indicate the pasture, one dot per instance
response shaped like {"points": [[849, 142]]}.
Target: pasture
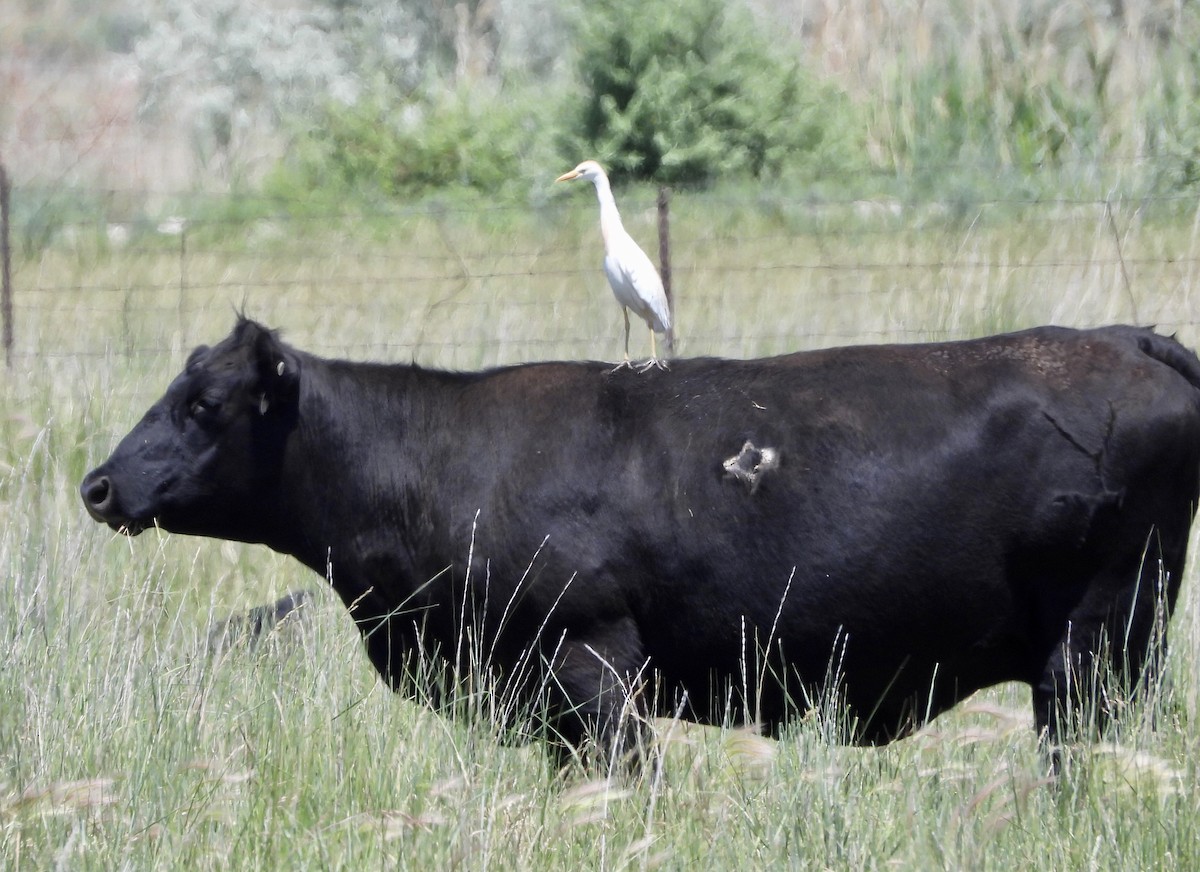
{"points": [[124, 745]]}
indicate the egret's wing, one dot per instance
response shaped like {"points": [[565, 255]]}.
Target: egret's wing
{"points": [[636, 282]]}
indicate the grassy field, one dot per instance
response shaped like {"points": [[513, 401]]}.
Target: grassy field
{"points": [[124, 745]]}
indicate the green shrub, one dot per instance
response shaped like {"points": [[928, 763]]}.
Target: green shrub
{"points": [[393, 148]]}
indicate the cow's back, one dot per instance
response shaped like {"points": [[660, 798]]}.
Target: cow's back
{"points": [[932, 518]]}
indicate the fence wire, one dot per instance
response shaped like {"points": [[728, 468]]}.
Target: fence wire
{"points": [[444, 287]]}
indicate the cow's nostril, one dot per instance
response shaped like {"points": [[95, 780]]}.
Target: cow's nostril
{"points": [[97, 493]]}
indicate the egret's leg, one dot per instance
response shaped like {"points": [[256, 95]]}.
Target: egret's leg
{"points": [[625, 363], [654, 361]]}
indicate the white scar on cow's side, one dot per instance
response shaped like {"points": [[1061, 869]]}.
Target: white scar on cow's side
{"points": [[750, 464]]}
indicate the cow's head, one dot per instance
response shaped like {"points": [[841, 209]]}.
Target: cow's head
{"points": [[204, 457]]}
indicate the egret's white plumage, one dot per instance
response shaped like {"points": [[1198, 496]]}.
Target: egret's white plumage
{"points": [[634, 280]]}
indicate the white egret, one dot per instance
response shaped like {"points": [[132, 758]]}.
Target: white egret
{"points": [[634, 280]]}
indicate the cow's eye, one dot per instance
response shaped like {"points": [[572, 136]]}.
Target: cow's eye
{"points": [[202, 408]]}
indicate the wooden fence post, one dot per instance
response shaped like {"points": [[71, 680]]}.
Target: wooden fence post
{"points": [[664, 259]]}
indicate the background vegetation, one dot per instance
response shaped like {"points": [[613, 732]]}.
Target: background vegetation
{"points": [[377, 184], [409, 100]]}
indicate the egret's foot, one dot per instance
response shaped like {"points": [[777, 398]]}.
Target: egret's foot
{"points": [[654, 363], [625, 364]]}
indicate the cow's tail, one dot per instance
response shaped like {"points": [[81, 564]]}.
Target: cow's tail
{"points": [[1168, 351]]}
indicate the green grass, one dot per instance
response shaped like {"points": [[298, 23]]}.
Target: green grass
{"points": [[123, 745]]}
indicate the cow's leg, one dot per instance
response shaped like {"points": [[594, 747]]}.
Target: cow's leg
{"points": [[1057, 700], [252, 626], [597, 709], [1111, 649]]}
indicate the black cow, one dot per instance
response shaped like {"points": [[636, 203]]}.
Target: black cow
{"points": [[888, 527]]}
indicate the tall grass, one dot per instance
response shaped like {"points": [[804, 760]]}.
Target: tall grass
{"points": [[1091, 95], [123, 744]]}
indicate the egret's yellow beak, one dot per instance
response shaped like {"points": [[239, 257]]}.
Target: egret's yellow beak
{"points": [[567, 177]]}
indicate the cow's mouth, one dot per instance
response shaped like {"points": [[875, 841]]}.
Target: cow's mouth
{"points": [[124, 526]]}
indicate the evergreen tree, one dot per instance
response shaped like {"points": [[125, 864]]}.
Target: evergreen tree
{"points": [[687, 90]]}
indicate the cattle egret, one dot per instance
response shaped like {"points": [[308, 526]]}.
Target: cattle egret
{"points": [[632, 275]]}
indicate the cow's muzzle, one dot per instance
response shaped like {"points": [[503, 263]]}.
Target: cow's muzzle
{"points": [[100, 499]]}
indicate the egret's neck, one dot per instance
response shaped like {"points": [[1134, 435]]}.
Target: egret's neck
{"points": [[610, 218]]}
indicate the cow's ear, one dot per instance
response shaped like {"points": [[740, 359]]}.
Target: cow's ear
{"points": [[278, 371]]}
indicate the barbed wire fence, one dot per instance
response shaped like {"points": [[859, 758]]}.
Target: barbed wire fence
{"points": [[852, 250]]}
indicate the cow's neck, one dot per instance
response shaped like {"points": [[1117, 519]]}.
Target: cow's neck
{"points": [[349, 489]]}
